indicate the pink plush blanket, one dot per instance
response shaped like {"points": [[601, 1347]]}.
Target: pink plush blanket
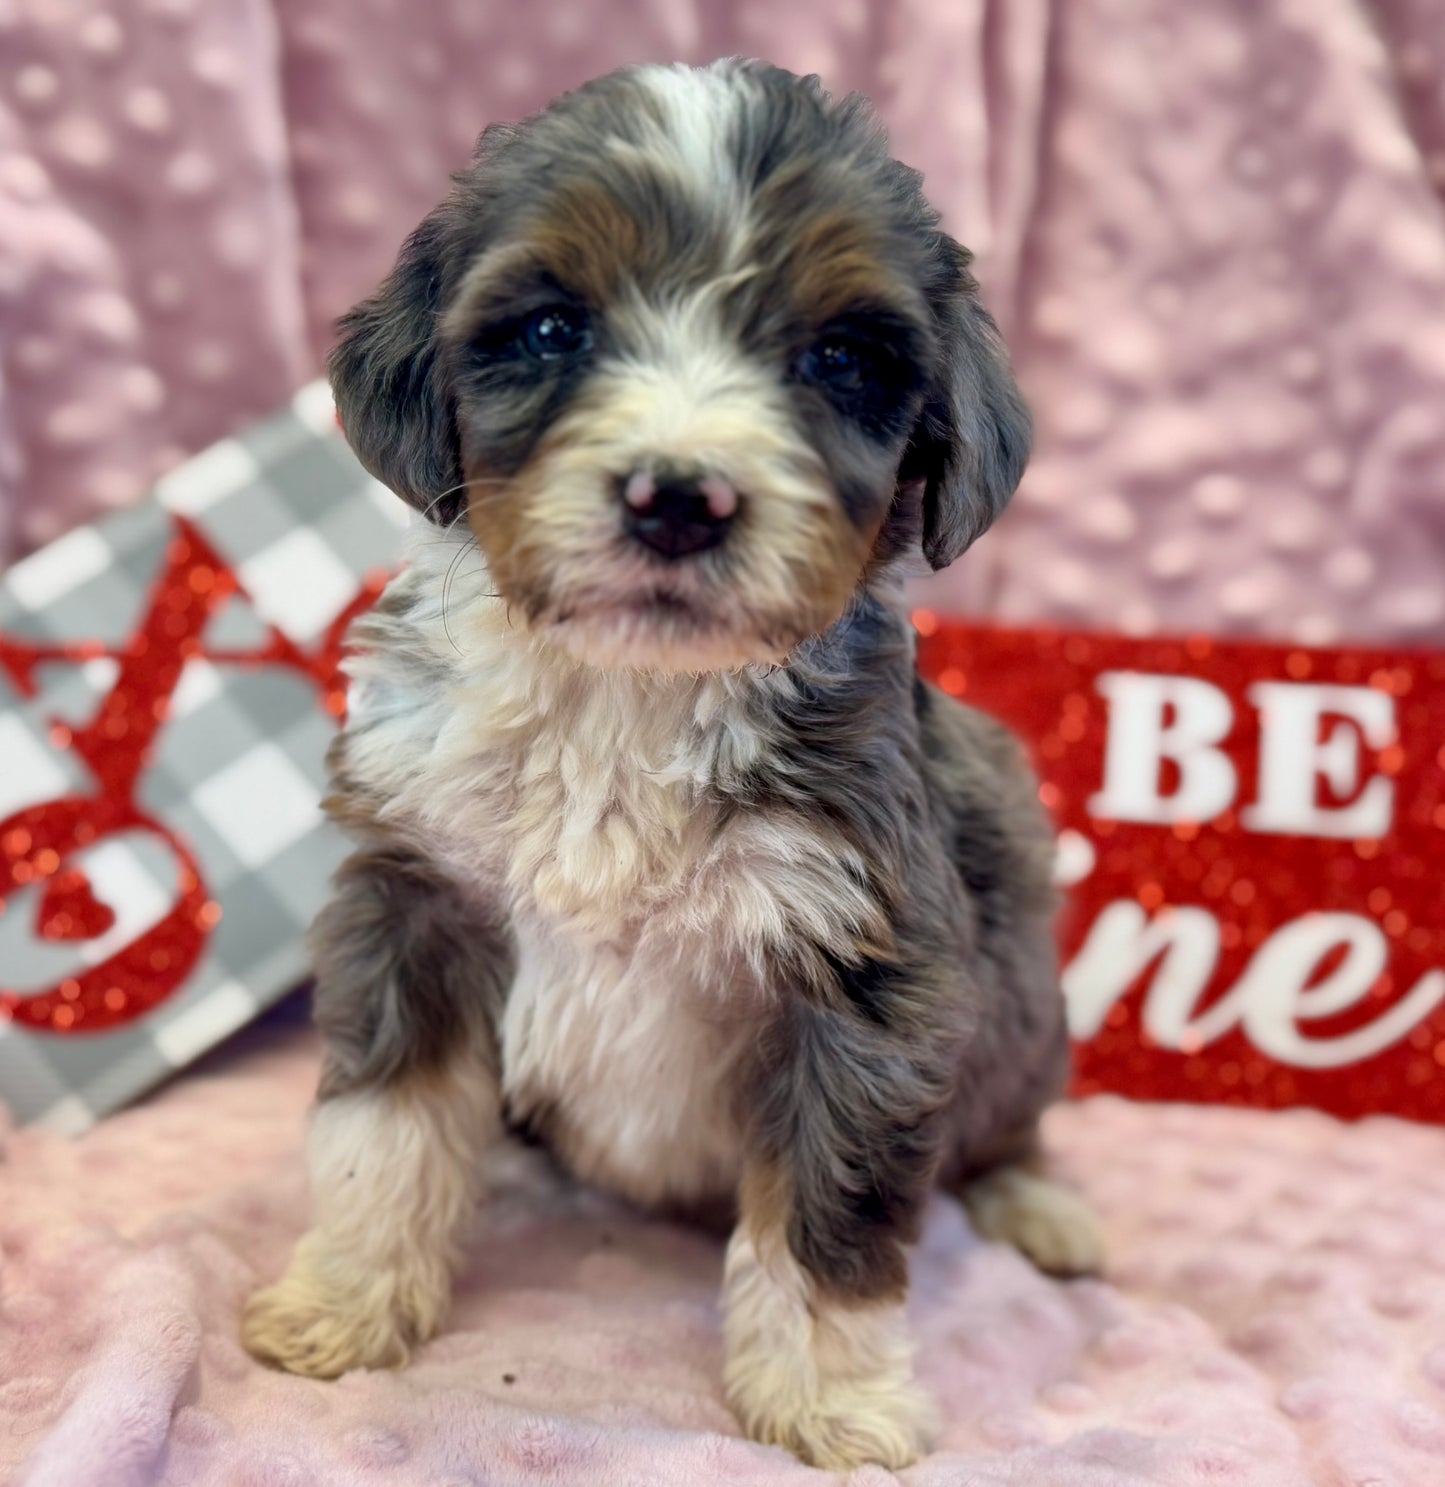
{"points": [[1274, 1314]]}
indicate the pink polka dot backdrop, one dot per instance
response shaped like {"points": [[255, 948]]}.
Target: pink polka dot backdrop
{"points": [[149, 247], [1213, 234], [1229, 312]]}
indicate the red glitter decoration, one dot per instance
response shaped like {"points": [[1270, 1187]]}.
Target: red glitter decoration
{"points": [[1252, 889], [70, 910], [38, 842]]}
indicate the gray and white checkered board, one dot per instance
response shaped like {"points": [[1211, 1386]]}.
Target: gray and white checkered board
{"points": [[289, 507]]}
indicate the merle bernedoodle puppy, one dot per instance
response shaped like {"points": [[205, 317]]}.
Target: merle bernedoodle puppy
{"points": [[664, 854]]}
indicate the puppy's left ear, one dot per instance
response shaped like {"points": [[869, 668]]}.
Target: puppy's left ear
{"points": [[972, 439]]}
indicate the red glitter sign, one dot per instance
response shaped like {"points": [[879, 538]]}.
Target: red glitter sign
{"points": [[1254, 837], [38, 843]]}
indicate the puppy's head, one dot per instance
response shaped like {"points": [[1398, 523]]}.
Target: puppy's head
{"points": [[686, 351]]}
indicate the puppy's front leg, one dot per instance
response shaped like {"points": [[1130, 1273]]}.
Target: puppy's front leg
{"points": [[406, 970], [843, 1153]]}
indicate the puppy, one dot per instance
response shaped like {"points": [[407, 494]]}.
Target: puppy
{"points": [[664, 853]]}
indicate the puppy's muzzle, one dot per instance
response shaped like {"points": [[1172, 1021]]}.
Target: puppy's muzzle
{"points": [[675, 515]]}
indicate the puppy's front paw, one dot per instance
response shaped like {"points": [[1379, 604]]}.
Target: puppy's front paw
{"points": [[845, 1424], [1049, 1223], [312, 1324], [301, 1330]]}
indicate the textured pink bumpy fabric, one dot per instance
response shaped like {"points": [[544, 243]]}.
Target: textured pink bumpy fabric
{"points": [[1213, 233], [1273, 1316]]}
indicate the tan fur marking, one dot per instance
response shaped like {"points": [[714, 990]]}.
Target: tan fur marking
{"points": [[589, 242], [498, 521], [836, 262]]}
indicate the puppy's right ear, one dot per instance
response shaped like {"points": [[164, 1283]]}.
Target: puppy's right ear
{"points": [[389, 389]]}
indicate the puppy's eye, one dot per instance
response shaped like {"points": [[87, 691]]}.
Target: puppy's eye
{"points": [[555, 332], [841, 364]]}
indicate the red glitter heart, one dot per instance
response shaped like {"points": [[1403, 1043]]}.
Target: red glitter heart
{"points": [[70, 909]]}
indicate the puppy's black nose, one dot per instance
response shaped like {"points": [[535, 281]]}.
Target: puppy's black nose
{"points": [[677, 515]]}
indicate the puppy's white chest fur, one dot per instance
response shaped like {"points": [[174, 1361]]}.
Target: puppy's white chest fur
{"points": [[585, 804], [620, 1029], [622, 1068], [581, 800]]}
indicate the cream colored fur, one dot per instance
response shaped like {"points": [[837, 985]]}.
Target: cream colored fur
{"points": [[395, 1175], [643, 1056], [832, 1383]]}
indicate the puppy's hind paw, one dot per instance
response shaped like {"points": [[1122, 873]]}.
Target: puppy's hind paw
{"points": [[1047, 1222]]}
